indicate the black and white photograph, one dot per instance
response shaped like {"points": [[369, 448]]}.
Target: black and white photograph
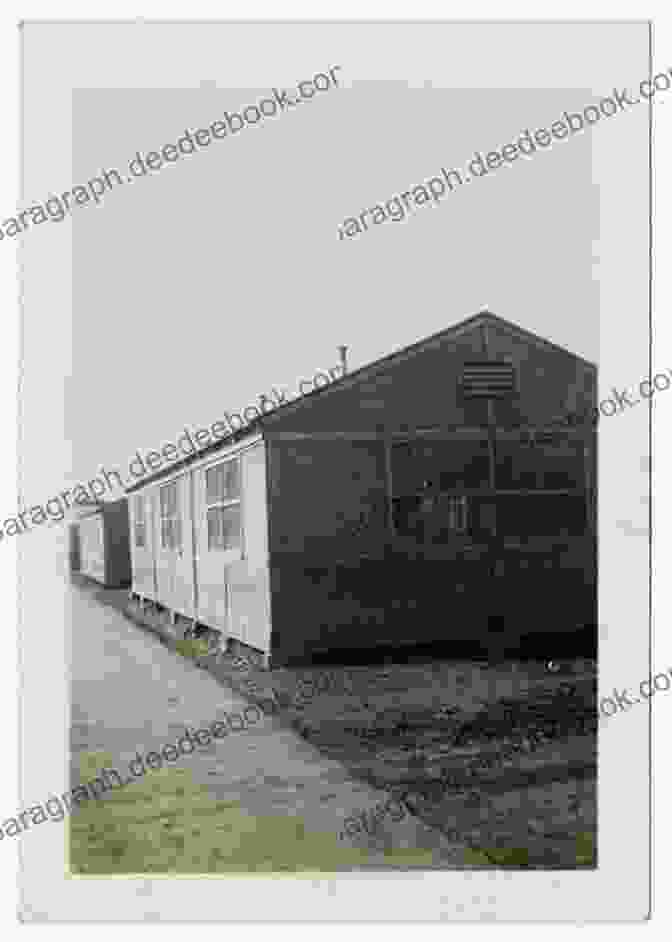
{"points": [[334, 465]]}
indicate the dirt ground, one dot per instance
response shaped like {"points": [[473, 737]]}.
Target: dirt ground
{"points": [[501, 757]]}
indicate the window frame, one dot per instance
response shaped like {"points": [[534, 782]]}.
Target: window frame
{"points": [[458, 510], [173, 546], [219, 502], [555, 475], [139, 522], [459, 502]]}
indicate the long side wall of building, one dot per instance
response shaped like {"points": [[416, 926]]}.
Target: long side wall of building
{"points": [[176, 566]]}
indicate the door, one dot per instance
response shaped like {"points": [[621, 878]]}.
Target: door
{"points": [[219, 538], [174, 546], [143, 545]]}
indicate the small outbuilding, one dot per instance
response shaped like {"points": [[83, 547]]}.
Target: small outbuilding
{"points": [[439, 498], [102, 540], [73, 547]]}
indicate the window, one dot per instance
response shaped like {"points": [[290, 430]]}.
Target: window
{"points": [[457, 514], [431, 483], [139, 521], [171, 525], [443, 465], [435, 518], [552, 463], [222, 498]]}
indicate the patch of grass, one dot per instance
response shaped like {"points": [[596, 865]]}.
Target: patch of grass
{"points": [[586, 855], [498, 857], [519, 856], [165, 823], [192, 647], [476, 858]]}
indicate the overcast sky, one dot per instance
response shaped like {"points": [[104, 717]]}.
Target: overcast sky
{"points": [[222, 275]]}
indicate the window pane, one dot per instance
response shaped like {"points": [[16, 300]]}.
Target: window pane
{"points": [[457, 514], [213, 484], [139, 510], [232, 480], [421, 465], [139, 534], [224, 530], [223, 482], [214, 529], [435, 519], [168, 496], [174, 533], [518, 468], [231, 526]]}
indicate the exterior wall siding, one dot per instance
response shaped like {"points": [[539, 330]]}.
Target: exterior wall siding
{"points": [[342, 577], [318, 493], [228, 590]]}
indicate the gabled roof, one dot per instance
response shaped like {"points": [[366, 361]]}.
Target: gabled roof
{"points": [[364, 373], [484, 318]]}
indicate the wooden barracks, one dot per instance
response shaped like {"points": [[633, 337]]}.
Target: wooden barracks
{"points": [[99, 543], [435, 499]]}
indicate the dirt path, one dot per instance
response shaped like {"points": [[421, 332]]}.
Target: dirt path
{"points": [[130, 693]]}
